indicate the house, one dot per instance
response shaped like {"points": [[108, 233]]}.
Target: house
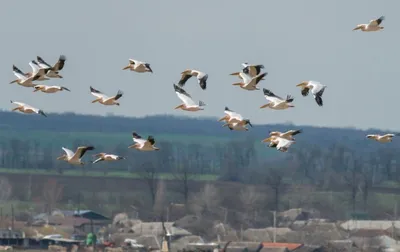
{"points": [[155, 228], [369, 238], [369, 224], [286, 218], [83, 221]]}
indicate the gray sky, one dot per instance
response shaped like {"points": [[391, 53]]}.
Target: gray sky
{"points": [[295, 40]]}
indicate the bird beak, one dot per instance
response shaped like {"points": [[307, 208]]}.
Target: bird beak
{"points": [[35, 90], [226, 124], [264, 106], [222, 119], [128, 66], [266, 140], [237, 73], [13, 81], [356, 28]]}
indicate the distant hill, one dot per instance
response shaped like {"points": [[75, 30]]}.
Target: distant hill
{"points": [[114, 129]]}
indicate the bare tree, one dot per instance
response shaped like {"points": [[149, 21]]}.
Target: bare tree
{"points": [[52, 193], [184, 174], [250, 197], [159, 202], [274, 179], [206, 200], [352, 177], [5, 189], [149, 173]]}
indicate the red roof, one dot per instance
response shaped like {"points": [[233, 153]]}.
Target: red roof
{"points": [[291, 246]]}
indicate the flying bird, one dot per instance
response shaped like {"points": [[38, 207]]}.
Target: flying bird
{"points": [[36, 70], [249, 83], [27, 109], [188, 103], [75, 158], [238, 126], [373, 25], [251, 69], [106, 157], [105, 100], [233, 117], [382, 138], [52, 71], [280, 143], [287, 135], [317, 89], [143, 144], [188, 73], [25, 80], [49, 89], [276, 102], [138, 66]]}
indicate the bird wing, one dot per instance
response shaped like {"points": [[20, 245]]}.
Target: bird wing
{"points": [[202, 79], [293, 132], [69, 152], [271, 96], [97, 93], [98, 160], [183, 79], [282, 142], [18, 103], [138, 139], [59, 64], [377, 21], [245, 77], [233, 115], [259, 77], [372, 136], [135, 62], [17, 72], [80, 151], [118, 95], [185, 97], [42, 62], [389, 135]]}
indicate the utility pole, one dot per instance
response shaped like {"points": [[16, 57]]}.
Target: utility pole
{"points": [[274, 226], [12, 217]]}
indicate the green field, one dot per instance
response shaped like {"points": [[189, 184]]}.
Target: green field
{"points": [[97, 173]]}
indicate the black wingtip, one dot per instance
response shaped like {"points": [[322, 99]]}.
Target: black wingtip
{"points": [[227, 109], [135, 135], [62, 58], [267, 92]]}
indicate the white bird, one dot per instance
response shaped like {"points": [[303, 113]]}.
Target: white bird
{"points": [[233, 117], [27, 109], [249, 83], [49, 89], [317, 89], [188, 73], [382, 138], [276, 102], [143, 144], [238, 126], [104, 99], [35, 71], [287, 135], [138, 66], [188, 103], [52, 71], [280, 143], [373, 25], [25, 80], [106, 157], [75, 158]]}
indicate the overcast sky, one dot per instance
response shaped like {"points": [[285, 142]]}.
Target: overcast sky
{"points": [[294, 40]]}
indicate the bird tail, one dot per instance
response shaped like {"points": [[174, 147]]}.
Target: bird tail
{"points": [[201, 104]]}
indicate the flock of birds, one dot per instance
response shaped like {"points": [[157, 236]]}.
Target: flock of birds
{"points": [[250, 76]]}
